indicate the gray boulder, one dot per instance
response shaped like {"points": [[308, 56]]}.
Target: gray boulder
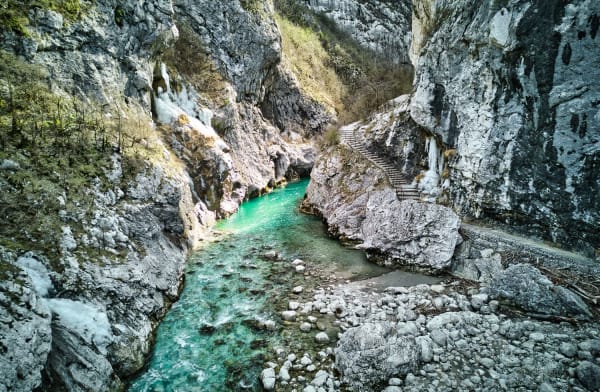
{"points": [[524, 286], [410, 232], [369, 355], [589, 375]]}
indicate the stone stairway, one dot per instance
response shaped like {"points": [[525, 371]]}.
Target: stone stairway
{"points": [[404, 189]]}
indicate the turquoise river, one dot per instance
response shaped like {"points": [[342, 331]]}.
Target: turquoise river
{"points": [[213, 338]]}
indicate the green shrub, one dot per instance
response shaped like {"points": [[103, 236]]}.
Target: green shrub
{"points": [[331, 137]]}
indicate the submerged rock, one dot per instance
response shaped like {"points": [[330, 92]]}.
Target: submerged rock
{"points": [[524, 286]]}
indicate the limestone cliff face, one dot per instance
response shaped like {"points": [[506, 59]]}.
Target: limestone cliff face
{"points": [[226, 122], [501, 120], [382, 26], [513, 88]]}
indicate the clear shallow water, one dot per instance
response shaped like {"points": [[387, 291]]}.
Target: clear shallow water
{"points": [[211, 339]]}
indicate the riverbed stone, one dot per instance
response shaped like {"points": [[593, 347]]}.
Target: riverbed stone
{"points": [[322, 337], [588, 374], [268, 379], [373, 353], [289, 315]]}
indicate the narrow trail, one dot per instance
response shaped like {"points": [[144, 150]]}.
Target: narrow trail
{"points": [[404, 189]]}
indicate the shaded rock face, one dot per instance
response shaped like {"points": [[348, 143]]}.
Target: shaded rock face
{"points": [[369, 355], [523, 285], [103, 321], [101, 56], [225, 28], [382, 26], [25, 332], [513, 89]]}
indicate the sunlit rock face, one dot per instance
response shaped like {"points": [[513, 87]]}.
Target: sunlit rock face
{"points": [[380, 25], [514, 88]]}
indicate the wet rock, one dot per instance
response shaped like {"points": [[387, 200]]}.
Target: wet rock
{"points": [[271, 255], [524, 286], [305, 327], [207, 329], [322, 338], [289, 315]]}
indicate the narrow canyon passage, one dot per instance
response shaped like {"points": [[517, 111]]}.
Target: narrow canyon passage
{"points": [[226, 323]]}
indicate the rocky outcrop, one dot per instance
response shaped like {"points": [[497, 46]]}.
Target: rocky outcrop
{"points": [[358, 203], [360, 206], [523, 286], [379, 25], [513, 89]]}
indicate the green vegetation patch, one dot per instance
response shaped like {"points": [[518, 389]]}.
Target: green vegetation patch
{"points": [[362, 79], [308, 60], [14, 13], [189, 58], [62, 149]]}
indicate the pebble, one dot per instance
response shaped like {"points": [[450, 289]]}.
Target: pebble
{"points": [[300, 268], [305, 327], [288, 315], [320, 378], [297, 289], [293, 305], [322, 337], [568, 349], [284, 375], [537, 337], [439, 337], [267, 377], [395, 381], [305, 361]]}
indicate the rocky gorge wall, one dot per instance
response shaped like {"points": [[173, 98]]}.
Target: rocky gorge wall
{"points": [[512, 87], [381, 26], [498, 126], [189, 143]]}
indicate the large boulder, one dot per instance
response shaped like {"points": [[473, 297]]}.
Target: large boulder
{"points": [[410, 232], [369, 355], [524, 286]]}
